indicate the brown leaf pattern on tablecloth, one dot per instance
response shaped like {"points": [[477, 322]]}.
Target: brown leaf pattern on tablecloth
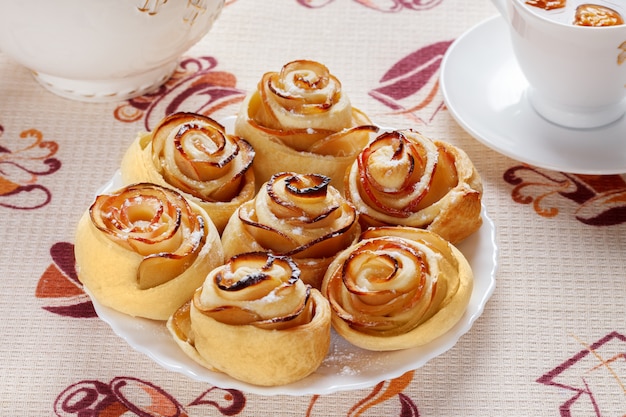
{"points": [[196, 86], [601, 199], [586, 376], [122, 396], [21, 168], [125, 395], [411, 86], [230, 402], [59, 288]]}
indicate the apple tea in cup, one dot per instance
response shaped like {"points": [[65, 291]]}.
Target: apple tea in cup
{"points": [[594, 13]]}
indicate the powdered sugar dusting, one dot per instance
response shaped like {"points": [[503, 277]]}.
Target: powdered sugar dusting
{"points": [[340, 357], [348, 371], [347, 360]]}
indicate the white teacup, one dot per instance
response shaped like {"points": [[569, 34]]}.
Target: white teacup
{"points": [[103, 50], [577, 74]]}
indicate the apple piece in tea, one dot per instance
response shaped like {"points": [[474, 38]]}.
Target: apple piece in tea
{"points": [[597, 15], [547, 4]]}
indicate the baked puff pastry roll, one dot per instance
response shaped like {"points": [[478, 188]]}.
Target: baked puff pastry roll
{"points": [[299, 119], [397, 288], [298, 215], [404, 178], [193, 154], [143, 250], [255, 320]]}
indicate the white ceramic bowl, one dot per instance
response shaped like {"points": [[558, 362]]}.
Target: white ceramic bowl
{"points": [[103, 50]]}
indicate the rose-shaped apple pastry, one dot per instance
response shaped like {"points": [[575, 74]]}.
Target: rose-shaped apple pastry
{"points": [[300, 119], [144, 249], [298, 215], [193, 154], [255, 320], [404, 178], [398, 287]]}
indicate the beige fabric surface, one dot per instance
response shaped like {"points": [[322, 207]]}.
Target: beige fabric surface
{"points": [[552, 338]]}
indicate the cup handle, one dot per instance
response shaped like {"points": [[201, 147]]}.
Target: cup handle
{"points": [[501, 6]]}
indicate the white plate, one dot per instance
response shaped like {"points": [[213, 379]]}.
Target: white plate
{"points": [[484, 90], [346, 367]]}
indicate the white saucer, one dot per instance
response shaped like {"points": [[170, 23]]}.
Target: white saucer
{"points": [[485, 92]]}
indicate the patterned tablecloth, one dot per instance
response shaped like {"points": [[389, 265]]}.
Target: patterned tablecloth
{"points": [[550, 342]]}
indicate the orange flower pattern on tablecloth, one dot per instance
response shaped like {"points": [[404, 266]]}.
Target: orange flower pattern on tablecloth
{"points": [[59, 287], [383, 391], [596, 378], [387, 6], [196, 87], [411, 86], [21, 168], [601, 199]]}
